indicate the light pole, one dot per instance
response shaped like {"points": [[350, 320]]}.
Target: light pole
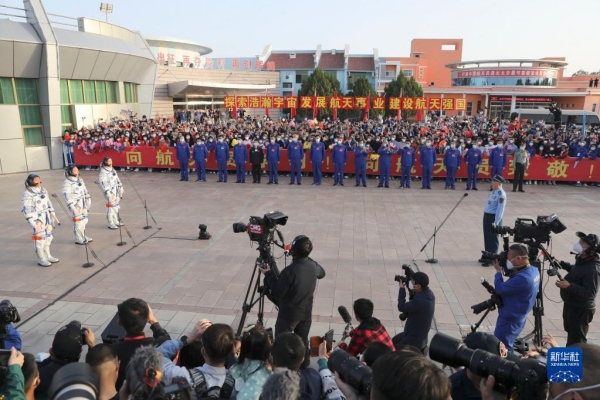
{"points": [[106, 8]]}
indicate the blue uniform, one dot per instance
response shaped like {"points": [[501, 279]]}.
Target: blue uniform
{"points": [[473, 159], [183, 156], [580, 152], [317, 155], [240, 156], [427, 159], [518, 294], [295, 155], [492, 214], [360, 165], [385, 156], [452, 163], [407, 164], [273, 156], [200, 154], [340, 156], [222, 156], [497, 160]]}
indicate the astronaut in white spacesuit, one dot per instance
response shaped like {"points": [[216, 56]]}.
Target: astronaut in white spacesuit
{"points": [[78, 202], [39, 213], [112, 189]]}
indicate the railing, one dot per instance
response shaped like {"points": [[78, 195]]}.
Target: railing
{"points": [[23, 16], [65, 23]]}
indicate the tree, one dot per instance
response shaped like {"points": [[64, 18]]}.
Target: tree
{"points": [[401, 86], [320, 83], [363, 88], [580, 72]]}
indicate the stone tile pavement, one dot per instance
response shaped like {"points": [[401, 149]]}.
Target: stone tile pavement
{"points": [[361, 236]]}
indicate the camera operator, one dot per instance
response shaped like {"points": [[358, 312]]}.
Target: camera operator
{"points": [[579, 288], [13, 338], [419, 312], [295, 288], [518, 293]]}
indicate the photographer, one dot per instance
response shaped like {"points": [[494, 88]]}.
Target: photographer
{"points": [[419, 312], [518, 294], [369, 331], [13, 338], [579, 288], [295, 288]]}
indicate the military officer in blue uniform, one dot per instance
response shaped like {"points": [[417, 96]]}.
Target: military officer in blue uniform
{"points": [[498, 159], [183, 156], [492, 215], [240, 156], [360, 163], [222, 157], [317, 156], [273, 156], [385, 156], [473, 159], [200, 154], [340, 156], [295, 155], [407, 163], [428, 158], [452, 163]]}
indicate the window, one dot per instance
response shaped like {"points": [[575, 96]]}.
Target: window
{"points": [[7, 96], [421, 72], [101, 92], [130, 92], [287, 85], [407, 72], [111, 92], [448, 47], [31, 122], [64, 92], [469, 107], [89, 89], [66, 117], [594, 106], [298, 78], [26, 91], [76, 91]]}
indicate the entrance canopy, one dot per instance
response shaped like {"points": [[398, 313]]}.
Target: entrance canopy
{"points": [[198, 88]]}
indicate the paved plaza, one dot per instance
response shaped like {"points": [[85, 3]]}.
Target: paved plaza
{"points": [[361, 237]]}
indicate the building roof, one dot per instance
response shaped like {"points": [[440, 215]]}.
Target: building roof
{"points": [[181, 88], [361, 63], [179, 44], [332, 61], [301, 61], [503, 63]]}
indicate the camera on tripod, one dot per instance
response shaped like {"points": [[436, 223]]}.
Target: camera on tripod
{"points": [[528, 231], [528, 375], [408, 273], [259, 229], [490, 304]]}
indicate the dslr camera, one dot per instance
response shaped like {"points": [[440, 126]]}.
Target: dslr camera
{"points": [[494, 301], [8, 313], [405, 279]]}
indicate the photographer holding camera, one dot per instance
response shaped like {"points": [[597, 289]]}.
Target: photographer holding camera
{"points": [[579, 287], [295, 288], [419, 312], [518, 293]]}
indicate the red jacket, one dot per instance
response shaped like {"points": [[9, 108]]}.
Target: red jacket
{"points": [[369, 331]]}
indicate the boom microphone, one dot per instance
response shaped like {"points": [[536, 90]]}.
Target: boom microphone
{"points": [[345, 314]]}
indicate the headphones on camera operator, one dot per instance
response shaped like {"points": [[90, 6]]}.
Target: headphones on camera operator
{"points": [[297, 243]]}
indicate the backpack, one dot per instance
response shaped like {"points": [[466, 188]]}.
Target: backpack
{"points": [[200, 388]]}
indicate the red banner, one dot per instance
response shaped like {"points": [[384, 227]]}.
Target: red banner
{"points": [[540, 169], [543, 72]]}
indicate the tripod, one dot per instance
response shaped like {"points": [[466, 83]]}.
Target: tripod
{"points": [[256, 292], [478, 323], [433, 260]]}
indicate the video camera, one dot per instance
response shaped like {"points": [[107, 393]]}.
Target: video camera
{"points": [[528, 231], [494, 301], [8, 313], [528, 375], [259, 229], [405, 279]]}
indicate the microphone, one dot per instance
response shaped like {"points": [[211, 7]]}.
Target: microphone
{"points": [[345, 314], [280, 236]]}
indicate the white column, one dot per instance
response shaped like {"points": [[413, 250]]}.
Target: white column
{"points": [[513, 103]]}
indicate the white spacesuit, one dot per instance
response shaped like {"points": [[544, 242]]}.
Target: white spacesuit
{"points": [[39, 213], [78, 201], [112, 188]]}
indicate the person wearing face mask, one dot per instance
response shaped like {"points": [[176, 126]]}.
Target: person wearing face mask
{"points": [[257, 157], [360, 163], [183, 157], [240, 156], [498, 159], [273, 156], [518, 293], [428, 159], [200, 155], [317, 156], [579, 288], [407, 163], [520, 164], [340, 156], [419, 312], [452, 163], [39, 213], [78, 202], [473, 159], [385, 153], [296, 156], [492, 215], [222, 157]]}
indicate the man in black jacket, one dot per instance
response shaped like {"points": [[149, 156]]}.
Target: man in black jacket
{"points": [[257, 156], [295, 288], [134, 314], [579, 288], [418, 311]]}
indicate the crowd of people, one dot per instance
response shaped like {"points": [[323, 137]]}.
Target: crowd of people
{"points": [[466, 139]]}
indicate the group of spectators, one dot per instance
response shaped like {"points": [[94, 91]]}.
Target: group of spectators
{"points": [[539, 138]]}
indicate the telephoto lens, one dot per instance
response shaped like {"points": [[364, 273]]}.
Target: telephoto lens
{"points": [[74, 381], [352, 371]]}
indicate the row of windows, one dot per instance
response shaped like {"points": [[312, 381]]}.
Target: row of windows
{"points": [[24, 92], [131, 92], [88, 92], [504, 81]]}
